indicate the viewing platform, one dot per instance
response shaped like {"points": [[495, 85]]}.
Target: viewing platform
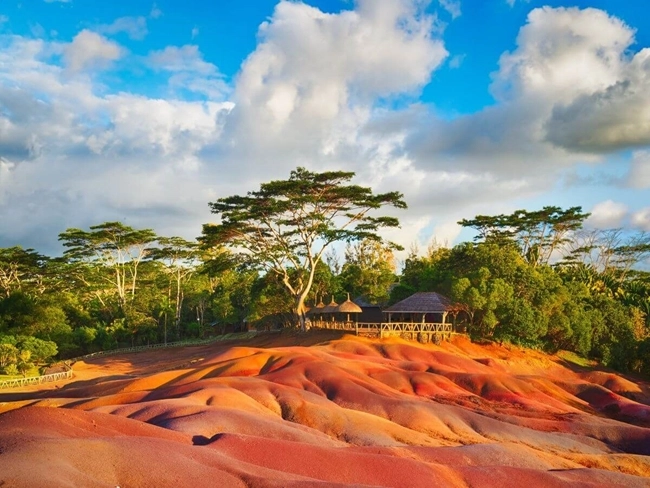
{"points": [[416, 331], [421, 317]]}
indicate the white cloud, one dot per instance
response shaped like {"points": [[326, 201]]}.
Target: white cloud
{"points": [[317, 91], [451, 6], [608, 215], [562, 54], [90, 50], [195, 32], [576, 62], [308, 89], [185, 58], [641, 219], [190, 71], [3, 19], [134, 27]]}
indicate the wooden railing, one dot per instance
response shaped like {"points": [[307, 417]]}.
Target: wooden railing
{"points": [[417, 331], [36, 380]]}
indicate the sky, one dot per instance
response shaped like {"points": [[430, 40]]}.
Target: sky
{"points": [[144, 112]]}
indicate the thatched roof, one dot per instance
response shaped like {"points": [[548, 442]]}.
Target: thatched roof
{"points": [[332, 307], [349, 306], [422, 302], [318, 308]]}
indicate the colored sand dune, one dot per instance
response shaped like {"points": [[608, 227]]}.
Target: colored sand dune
{"points": [[329, 410]]}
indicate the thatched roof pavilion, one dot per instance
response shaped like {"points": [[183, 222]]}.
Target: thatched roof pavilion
{"points": [[422, 302], [349, 306], [317, 309], [422, 306], [332, 307]]}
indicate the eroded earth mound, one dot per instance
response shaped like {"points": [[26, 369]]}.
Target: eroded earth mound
{"points": [[329, 410]]}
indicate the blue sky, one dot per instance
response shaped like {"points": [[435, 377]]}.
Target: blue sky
{"points": [[143, 112]]}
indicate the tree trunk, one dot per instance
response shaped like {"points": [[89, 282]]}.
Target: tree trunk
{"points": [[299, 311]]}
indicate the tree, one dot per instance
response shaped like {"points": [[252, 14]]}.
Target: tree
{"points": [[8, 354], [539, 234], [288, 224], [114, 246], [369, 270], [21, 269], [178, 257]]}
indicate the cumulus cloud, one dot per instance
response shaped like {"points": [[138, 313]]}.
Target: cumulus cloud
{"points": [[303, 96], [307, 91], [641, 219], [319, 90], [577, 61], [563, 56], [608, 215], [185, 58], [90, 50]]}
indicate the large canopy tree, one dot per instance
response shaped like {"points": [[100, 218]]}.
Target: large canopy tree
{"points": [[113, 247], [539, 234], [286, 226]]}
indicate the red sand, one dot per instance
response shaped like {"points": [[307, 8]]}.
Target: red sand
{"points": [[328, 410]]}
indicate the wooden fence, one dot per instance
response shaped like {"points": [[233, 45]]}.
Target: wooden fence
{"points": [[36, 380], [416, 331]]}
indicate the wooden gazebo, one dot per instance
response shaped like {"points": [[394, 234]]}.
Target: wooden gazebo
{"points": [[421, 316]]}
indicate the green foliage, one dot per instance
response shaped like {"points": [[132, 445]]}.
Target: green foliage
{"points": [[21, 270], [118, 286], [8, 354], [285, 227], [538, 234], [369, 271], [11, 369]]}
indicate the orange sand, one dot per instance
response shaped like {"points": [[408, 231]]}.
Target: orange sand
{"points": [[325, 409]]}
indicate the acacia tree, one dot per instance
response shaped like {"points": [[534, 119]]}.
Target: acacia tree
{"points": [[116, 248], [369, 270], [178, 257], [539, 234], [285, 227], [21, 269]]}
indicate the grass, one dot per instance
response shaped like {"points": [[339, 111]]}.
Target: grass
{"points": [[573, 358], [31, 372]]}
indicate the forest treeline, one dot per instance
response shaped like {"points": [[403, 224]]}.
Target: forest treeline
{"points": [[532, 278]]}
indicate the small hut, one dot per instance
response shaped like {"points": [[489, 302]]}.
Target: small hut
{"points": [[316, 312], [348, 307], [330, 310]]}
